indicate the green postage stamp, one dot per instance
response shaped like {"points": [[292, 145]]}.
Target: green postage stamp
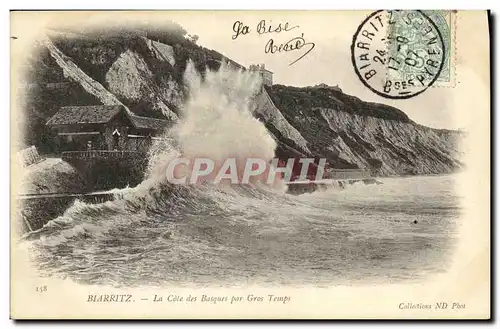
{"points": [[418, 31], [412, 49], [445, 21]]}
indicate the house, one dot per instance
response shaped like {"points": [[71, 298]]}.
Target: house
{"points": [[266, 75], [103, 127], [324, 85]]}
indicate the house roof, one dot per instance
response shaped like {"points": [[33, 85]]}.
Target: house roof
{"points": [[147, 123], [84, 114], [101, 114]]}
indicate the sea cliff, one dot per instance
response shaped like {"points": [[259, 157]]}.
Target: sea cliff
{"points": [[142, 69]]}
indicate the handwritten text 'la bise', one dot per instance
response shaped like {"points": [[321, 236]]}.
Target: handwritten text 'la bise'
{"points": [[272, 47]]}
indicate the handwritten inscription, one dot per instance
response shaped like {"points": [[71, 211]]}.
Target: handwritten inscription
{"points": [[239, 29], [292, 44], [262, 28], [272, 47]]}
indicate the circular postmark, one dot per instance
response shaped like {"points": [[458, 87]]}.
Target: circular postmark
{"points": [[398, 53]]}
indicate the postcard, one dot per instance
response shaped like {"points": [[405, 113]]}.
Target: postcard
{"points": [[250, 164]]}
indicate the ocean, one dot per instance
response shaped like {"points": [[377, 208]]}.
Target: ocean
{"points": [[403, 229], [161, 234]]}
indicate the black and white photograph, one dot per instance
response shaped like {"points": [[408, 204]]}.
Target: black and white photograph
{"points": [[250, 164]]}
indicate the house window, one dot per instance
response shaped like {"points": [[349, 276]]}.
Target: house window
{"points": [[116, 139]]}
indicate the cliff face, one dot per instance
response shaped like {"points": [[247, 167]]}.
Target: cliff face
{"points": [[276, 123], [142, 70], [401, 148], [130, 78]]}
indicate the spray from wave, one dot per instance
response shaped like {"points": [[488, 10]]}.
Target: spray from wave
{"points": [[216, 123], [160, 233]]}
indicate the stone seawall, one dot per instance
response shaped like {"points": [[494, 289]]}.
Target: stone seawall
{"points": [[108, 169]]}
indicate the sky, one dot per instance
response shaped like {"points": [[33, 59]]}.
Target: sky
{"points": [[328, 62]]}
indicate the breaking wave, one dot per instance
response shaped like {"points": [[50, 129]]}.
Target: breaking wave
{"points": [[216, 123], [161, 233]]}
